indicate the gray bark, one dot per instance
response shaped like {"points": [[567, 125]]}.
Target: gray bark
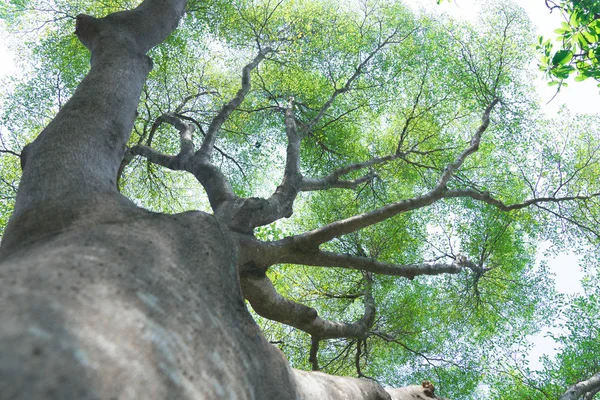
{"points": [[585, 389], [137, 305]]}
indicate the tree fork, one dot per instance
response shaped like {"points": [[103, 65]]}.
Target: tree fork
{"points": [[77, 156]]}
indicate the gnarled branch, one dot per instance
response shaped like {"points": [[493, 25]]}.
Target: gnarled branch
{"points": [[268, 303]]}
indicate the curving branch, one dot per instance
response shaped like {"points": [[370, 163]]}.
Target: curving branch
{"points": [[474, 146], [487, 198], [268, 303], [210, 177], [334, 180], [355, 223], [156, 157], [357, 72], [206, 149], [586, 389], [256, 212], [314, 352], [329, 182]]}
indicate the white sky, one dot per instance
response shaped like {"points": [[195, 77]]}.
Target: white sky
{"points": [[582, 97]]}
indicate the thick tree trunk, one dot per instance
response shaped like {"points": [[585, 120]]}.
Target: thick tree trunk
{"points": [[136, 306], [101, 299]]}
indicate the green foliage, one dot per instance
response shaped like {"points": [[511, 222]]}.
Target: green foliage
{"points": [[579, 36], [577, 337]]}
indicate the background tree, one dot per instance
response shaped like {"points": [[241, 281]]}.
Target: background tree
{"points": [[576, 364], [408, 147], [579, 35]]}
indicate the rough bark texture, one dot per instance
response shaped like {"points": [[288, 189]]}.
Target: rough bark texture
{"points": [[134, 306]]}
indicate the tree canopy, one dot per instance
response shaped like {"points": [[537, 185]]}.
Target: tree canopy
{"points": [[579, 34], [380, 167]]}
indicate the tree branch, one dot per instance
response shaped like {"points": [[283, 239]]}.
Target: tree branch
{"points": [[256, 255], [329, 182], [205, 151], [355, 223], [581, 389], [156, 157], [314, 353], [268, 303], [487, 198], [474, 146], [357, 72]]}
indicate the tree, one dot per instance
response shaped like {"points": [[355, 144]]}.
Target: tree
{"points": [[575, 367], [412, 117], [579, 36]]}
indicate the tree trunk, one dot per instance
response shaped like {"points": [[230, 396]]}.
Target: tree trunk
{"points": [[128, 304], [101, 299]]}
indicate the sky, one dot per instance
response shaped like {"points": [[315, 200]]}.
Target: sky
{"points": [[582, 97]]}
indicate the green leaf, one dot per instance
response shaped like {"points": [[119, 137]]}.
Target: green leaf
{"points": [[562, 57]]}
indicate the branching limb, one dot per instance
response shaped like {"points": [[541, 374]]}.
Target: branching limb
{"points": [[335, 229], [334, 180], [205, 151], [487, 198], [210, 177], [6, 151], [171, 162], [355, 223], [474, 146], [247, 214], [156, 157], [268, 303], [186, 148], [259, 255], [585, 388], [357, 72]]}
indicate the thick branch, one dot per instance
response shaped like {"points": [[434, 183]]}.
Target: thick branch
{"points": [[151, 22], [281, 202], [314, 352], [186, 145], [79, 153], [581, 389], [254, 212], [256, 254], [339, 228], [156, 157], [355, 223], [474, 146], [268, 303], [325, 183], [215, 183]]}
